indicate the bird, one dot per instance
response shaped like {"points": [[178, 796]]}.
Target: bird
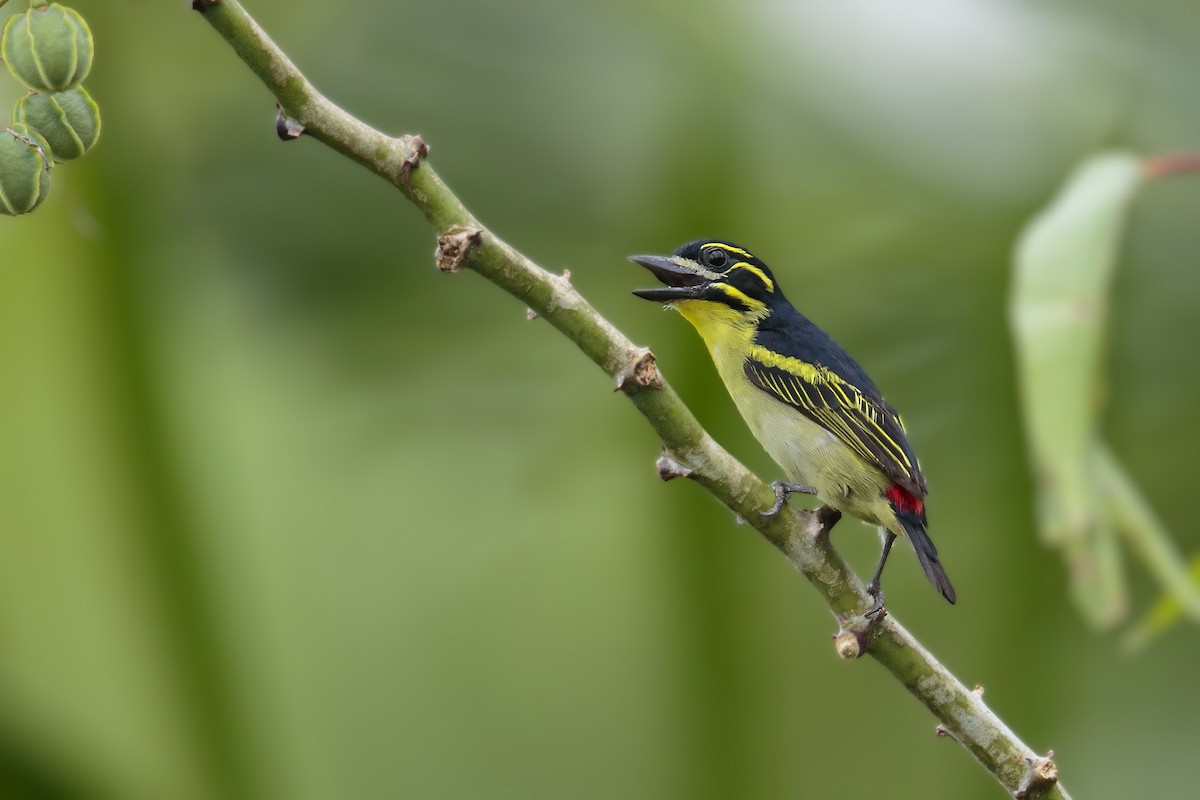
{"points": [[812, 407]]}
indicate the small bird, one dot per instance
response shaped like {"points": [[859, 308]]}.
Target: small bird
{"points": [[809, 404]]}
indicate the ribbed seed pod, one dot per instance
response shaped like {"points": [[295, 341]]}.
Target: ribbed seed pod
{"points": [[69, 121], [24, 170], [49, 48]]}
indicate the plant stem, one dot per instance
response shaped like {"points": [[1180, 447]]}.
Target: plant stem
{"points": [[688, 450]]}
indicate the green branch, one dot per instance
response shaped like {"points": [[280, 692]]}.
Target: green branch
{"points": [[688, 450]]}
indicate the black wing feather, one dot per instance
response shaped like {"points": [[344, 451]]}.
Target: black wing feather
{"points": [[867, 424]]}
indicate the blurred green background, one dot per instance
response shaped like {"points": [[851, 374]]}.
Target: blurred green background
{"points": [[288, 513]]}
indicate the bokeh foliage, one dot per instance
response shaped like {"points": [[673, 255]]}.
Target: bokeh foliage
{"points": [[1063, 269], [290, 514]]}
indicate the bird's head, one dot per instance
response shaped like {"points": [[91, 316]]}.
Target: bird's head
{"points": [[710, 275]]}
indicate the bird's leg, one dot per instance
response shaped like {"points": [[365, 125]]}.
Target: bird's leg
{"points": [[782, 490], [873, 588]]}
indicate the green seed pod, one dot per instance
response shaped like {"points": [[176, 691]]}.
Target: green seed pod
{"points": [[69, 121], [48, 48], [24, 170]]}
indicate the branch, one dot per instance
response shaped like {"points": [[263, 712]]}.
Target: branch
{"points": [[688, 450]]}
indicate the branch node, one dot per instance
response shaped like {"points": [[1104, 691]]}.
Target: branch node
{"points": [[452, 247], [416, 150], [530, 314], [1042, 773], [286, 128], [850, 644], [203, 5], [854, 635], [640, 372], [941, 731], [669, 467], [978, 690]]}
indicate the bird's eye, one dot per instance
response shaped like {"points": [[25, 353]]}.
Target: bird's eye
{"points": [[715, 258]]}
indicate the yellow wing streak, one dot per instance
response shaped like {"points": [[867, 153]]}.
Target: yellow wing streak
{"points": [[807, 400], [865, 424], [785, 391], [775, 387], [824, 416]]}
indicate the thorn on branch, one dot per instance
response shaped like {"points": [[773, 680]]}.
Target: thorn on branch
{"points": [[640, 372], [203, 5], [286, 128], [669, 467], [1042, 773], [941, 731], [530, 314], [452, 248], [416, 150], [977, 691]]}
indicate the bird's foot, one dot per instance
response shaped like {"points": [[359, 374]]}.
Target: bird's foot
{"points": [[876, 595], [782, 490]]}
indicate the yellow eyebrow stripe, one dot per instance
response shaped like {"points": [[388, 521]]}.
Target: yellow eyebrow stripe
{"points": [[730, 249]]}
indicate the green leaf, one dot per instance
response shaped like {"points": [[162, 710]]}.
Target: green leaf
{"points": [[1058, 307]]}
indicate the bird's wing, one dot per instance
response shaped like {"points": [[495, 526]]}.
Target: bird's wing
{"points": [[866, 424]]}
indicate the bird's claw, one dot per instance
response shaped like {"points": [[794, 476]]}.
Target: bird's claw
{"points": [[782, 490], [876, 595]]}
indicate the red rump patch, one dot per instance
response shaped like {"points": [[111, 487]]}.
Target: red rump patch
{"points": [[904, 500]]}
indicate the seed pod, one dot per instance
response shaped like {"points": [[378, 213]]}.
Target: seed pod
{"points": [[48, 48], [24, 170], [69, 121]]}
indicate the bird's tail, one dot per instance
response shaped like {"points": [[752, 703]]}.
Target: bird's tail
{"points": [[914, 527]]}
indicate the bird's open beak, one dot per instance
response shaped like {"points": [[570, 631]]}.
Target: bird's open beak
{"points": [[681, 282]]}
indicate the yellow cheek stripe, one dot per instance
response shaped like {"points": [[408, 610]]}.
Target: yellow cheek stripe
{"points": [[750, 303], [762, 276]]}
